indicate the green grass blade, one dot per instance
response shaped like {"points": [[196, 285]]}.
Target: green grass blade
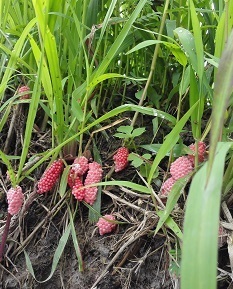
{"points": [[75, 242], [199, 253], [30, 119], [169, 142], [14, 57], [9, 168], [56, 258], [119, 40], [222, 90], [197, 40], [173, 197], [170, 223], [131, 185]]}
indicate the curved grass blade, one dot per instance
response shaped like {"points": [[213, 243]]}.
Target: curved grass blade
{"points": [[199, 253], [14, 56], [75, 242], [170, 142], [173, 197], [9, 167], [56, 258], [222, 91]]}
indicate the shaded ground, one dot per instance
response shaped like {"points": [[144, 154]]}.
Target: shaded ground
{"points": [[136, 259]]}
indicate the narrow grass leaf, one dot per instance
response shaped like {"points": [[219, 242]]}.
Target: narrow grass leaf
{"points": [[197, 40], [171, 224], [57, 255], [93, 215], [173, 197], [174, 48], [131, 185], [222, 91], [199, 253], [30, 119], [75, 242], [170, 141], [9, 167], [119, 40], [63, 182], [14, 56]]}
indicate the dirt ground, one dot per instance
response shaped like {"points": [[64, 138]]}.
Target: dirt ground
{"points": [[127, 258]]}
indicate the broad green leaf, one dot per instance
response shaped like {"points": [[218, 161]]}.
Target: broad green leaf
{"points": [[127, 129], [201, 223], [187, 41], [138, 131]]}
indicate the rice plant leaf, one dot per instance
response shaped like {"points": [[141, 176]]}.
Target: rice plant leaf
{"points": [[30, 120], [197, 40], [45, 76], [187, 41], [170, 223], [174, 48], [10, 170], [14, 56], [57, 255], [199, 253], [131, 185], [173, 197], [222, 91], [119, 40], [75, 242], [102, 78], [170, 141], [63, 182], [193, 98]]}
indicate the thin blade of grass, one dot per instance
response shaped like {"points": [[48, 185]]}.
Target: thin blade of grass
{"points": [[75, 242], [57, 255], [14, 57], [173, 197], [222, 91], [197, 40], [9, 167], [120, 38], [170, 142], [199, 253]]}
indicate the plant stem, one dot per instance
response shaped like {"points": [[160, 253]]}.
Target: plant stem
{"points": [[154, 60], [4, 235]]}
